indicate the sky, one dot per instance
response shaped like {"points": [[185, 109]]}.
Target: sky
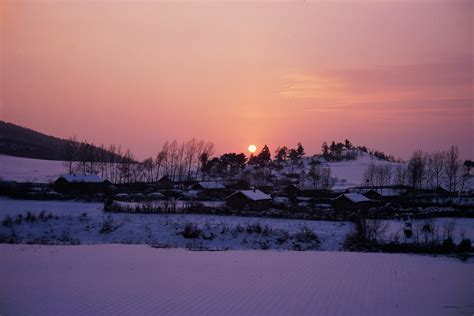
{"points": [[392, 75]]}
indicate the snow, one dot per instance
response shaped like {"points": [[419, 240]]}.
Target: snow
{"points": [[254, 195], [352, 171], [355, 197], [88, 178], [160, 229], [136, 279], [15, 207], [30, 170], [460, 226]]}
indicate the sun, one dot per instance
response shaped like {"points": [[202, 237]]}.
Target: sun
{"points": [[252, 148]]}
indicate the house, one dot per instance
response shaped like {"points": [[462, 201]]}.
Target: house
{"points": [[239, 185], [209, 185], [81, 183], [165, 183], [292, 190], [249, 200], [383, 194], [351, 202]]}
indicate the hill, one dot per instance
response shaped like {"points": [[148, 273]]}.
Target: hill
{"points": [[20, 141]]}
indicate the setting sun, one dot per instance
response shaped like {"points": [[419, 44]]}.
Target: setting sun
{"points": [[252, 148]]}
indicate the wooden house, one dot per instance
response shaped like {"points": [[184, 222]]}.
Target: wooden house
{"points": [[249, 200]]}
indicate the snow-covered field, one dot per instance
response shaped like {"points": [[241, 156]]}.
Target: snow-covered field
{"points": [[30, 170], [218, 232], [460, 227], [164, 230], [351, 173], [119, 280]]}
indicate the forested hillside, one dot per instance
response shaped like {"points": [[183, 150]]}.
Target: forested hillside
{"points": [[19, 141]]}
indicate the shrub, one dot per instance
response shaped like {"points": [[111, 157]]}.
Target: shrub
{"points": [[448, 245], [266, 231], [191, 231], [408, 233], [254, 228], [264, 245], [282, 236], [308, 238], [108, 225], [19, 219], [42, 216], [464, 245], [30, 217], [7, 221]]}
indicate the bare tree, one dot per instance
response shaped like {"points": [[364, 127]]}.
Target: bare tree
{"points": [[326, 181], [315, 175], [416, 169], [400, 177], [438, 158], [452, 166], [70, 153]]}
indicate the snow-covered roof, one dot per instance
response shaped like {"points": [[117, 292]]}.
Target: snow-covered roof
{"points": [[89, 178], [354, 197], [211, 185], [254, 195]]}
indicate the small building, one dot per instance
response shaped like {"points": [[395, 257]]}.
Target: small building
{"points": [[383, 194], [81, 183], [249, 200], [292, 190], [209, 185], [239, 185], [351, 202], [165, 183]]}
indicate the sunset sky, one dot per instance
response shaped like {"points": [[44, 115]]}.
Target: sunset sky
{"points": [[392, 75]]}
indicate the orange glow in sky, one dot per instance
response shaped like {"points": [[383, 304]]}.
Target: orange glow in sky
{"points": [[392, 75]]}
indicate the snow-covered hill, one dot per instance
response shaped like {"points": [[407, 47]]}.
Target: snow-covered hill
{"points": [[349, 173], [30, 170]]}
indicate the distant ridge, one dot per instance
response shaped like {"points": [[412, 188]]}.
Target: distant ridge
{"points": [[20, 141]]}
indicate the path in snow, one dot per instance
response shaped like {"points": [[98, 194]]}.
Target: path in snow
{"points": [[118, 279]]}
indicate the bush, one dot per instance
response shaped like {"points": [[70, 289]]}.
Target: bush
{"points": [[191, 231], [308, 238], [108, 225], [448, 245], [7, 221], [19, 219], [254, 228], [464, 245], [408, 233], [30, 217], [282, 236], [42, 216], [264, 245]]}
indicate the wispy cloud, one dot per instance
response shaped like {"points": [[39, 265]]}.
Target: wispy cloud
{"points": [[405, 89]]}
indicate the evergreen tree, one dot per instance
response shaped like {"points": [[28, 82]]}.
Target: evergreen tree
{"points": [[300, 151], [325, 149], [281, 154], [264, 157]]}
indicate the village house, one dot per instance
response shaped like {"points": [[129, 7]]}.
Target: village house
{"points": [[383, 194], [239, 185], [351, 202], [81, 183], [208, 186], [249, 200], [164, 183]]}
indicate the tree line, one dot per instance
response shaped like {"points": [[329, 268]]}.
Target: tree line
{"points": [[423, 171]]}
